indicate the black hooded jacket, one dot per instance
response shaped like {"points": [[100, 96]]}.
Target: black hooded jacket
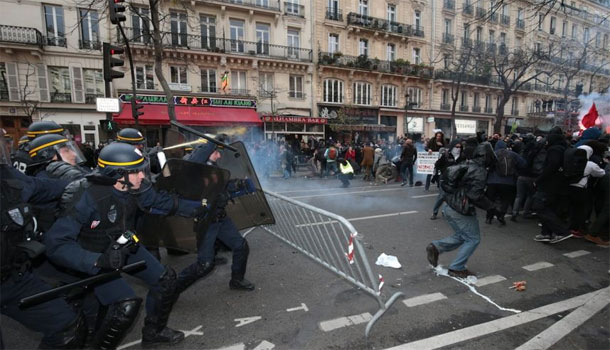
{"points": [[551, 181]]}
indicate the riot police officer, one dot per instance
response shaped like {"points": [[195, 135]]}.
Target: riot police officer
{"points": [[57, 157], [62, 328], [220, 227], [96, 212], [131, 136], [20, 158]]}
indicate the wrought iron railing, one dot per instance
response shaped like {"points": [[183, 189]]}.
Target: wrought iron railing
{"points": [[3, 94], [56, 41], [267, 5], [334, 14], [467, 10], [58, 97], [292, 9], [89, 45], [481, 13], [520, 24], [464, 108], [448, 38], [297, 94], [362, 62], [504, 19], [91, 98], [445, 106], [239, 92], [493, 17], [381, 24], [476, 109], [20, 35], [449, 4], [489, 110]]}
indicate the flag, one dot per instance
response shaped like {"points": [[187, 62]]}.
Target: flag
{"points": [[513, 129], [589, 119], [224, 81]]}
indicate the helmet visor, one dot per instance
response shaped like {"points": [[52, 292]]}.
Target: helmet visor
{"points": [[70, 153]]}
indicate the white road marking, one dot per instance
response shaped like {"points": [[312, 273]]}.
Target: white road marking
{"points": [[333, 189], [244, 321], [265, 345], [464, 334], [359, 218], [563, 327], [576, 254], [425, 195], [341, 322], [194, 331], [343, 193], [538, 266], [302, 307], [424, 299], [489, 280], [240, 346]]}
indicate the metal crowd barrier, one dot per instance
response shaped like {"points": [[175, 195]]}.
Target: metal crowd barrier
{"points": [[330, 240]]}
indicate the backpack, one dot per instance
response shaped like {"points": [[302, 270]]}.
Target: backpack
{"points": [[574, 164], [537, 162], [332, 153], [505, 165]]}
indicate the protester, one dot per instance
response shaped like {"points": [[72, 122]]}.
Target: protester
{"points": [[346, 172], [408, 157]]}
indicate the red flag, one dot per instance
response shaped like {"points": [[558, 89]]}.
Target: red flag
{"points": [[589, 119]]}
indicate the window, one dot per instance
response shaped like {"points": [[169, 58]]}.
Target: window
{"points": [[54, 18], [333, 43], [362, 93], [514, 106], [504, 10], [415, 97], [294, 42], [574, 30], [292, 7], [262, 38], [448, 26], [94, 82], [520, 14], [540, 21], [605, 42], [553, 25], [503, 38], [363, 47], [262, 3], [446, 61], [466, 31], [492, 36], [59, 81], [178, 74], [208, 31], [236, 28], [208, 80], [445, 97], [295, 83], [564, 29], [141, 25], [598, 40], [89, 29], [363, 7], [518, 41], [178, 28], [586, 36], [475, 100], [388, 95], [3, 84], [488, 108], [416, 55], [464, 99], [144, 77], [265, 84], [239, 85], [479, 34], [391, 52], [391, 13], [333, 91], [417, 20]]}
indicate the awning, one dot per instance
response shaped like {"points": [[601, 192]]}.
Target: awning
{"points": [[202, 116]]}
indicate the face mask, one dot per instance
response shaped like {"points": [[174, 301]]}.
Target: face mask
{"points": [[455, 152]]}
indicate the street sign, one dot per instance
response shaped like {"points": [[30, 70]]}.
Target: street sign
{"points": [[108, 105]]}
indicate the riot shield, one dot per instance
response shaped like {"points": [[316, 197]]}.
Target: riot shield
{"points": [[190, 181], [251, 209]]}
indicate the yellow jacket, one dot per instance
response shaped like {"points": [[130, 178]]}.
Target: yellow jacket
{"points": [[346, 169]]}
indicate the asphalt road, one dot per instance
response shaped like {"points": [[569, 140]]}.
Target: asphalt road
{"points": [[565, 305]]}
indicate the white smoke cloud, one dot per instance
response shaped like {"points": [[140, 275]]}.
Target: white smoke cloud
{"points": [[602, 103]]}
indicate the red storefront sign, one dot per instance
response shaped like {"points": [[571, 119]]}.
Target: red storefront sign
{"points": [[303, 120]]}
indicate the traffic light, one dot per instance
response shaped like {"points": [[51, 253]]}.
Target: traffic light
{"points": [[109, 62], [135, 109], [116, 7], [108, 125]]}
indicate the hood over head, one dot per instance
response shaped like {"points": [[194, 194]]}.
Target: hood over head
{"points": [[453, 143], [500, 145], [555, 139], [484, 154], [587, 149]]}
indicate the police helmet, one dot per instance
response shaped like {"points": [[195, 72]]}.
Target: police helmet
{"points": [[118, 159], [44, 127], [45, 147], [23, 140], [131, 136]]}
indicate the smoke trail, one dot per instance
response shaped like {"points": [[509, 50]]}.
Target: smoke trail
{"points": [[602, 103]]}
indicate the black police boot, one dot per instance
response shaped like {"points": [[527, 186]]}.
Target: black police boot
{"points": [[238, 282], [72, 337], [192, 274], [116, 323], [155, 331], [240, 262]]}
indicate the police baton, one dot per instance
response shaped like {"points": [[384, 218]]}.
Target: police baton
{"points": [[203, 135], [51, 294]]}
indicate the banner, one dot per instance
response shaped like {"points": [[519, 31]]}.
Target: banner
{"points": [[425, 162]]}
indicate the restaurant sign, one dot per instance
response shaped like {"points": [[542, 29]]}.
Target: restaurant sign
{"points": [[192, 101], [287, 119]]}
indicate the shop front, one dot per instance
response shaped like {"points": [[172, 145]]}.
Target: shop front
{"points": [[290, 127], [358, 124], [234, 117], [464, 127]]}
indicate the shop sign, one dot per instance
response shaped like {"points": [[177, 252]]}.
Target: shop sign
{"points": [[304, 120], [192, 101], [179, 87], [425, 162], [415, 124], [145, 99], [108, 105], [465, 127]]}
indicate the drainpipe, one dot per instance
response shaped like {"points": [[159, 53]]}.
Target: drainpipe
{"points": [[433, 36]]}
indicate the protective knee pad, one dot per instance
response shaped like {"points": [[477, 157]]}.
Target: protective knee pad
{"points": [[164, 300], [113, 328], [72, 337]]}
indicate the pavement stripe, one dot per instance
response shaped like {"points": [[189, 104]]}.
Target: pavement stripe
{"points": [[343, 193], [383, 215], [563, 327], [425, 195], [576, 254], [538, 266], [501, 324], [341, 322], [489, 280], [240, 346], [333, 189], [424, 299]]}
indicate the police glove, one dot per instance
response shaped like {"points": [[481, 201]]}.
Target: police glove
{"points": [[113, 258]]}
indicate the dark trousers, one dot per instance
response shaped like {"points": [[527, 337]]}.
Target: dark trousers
{"points": [[579, 207], [406, 171], [503, 194], [228, 234], [525, 195], [49, 318], [345, 178], [600, 226], [548, 207]]}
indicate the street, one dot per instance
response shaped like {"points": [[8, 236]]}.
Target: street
{"points": [[299, 304]]}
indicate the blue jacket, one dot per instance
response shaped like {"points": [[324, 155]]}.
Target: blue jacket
{"points": [[520, 163]]}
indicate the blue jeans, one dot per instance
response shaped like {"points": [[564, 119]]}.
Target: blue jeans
{"points": [[525, 195], [439, 201], [406, 172], [466, 237], [331, 166]]}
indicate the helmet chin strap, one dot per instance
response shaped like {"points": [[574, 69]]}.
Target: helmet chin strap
{"points": [[125, 182]]}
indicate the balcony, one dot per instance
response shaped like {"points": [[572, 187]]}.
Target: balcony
{"points": [[493, 17], [448, 38], [505, 20], [300, 95], [479, 45], [380, 24], [272, 5], [91, 98], [464, 108], [492, 48], [502, 49], [334, 14], [466, 42], [445, 107], [520, 24], [20, 35], [56, 41], [467, 10], [292, 9], [58, 97], [239, 92], [449, 5], [476, 109], [486, 80], [89, 45], [489, 110], [481, 13], [398, 67], [419, 31], [3, 94], [237, 47]]}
